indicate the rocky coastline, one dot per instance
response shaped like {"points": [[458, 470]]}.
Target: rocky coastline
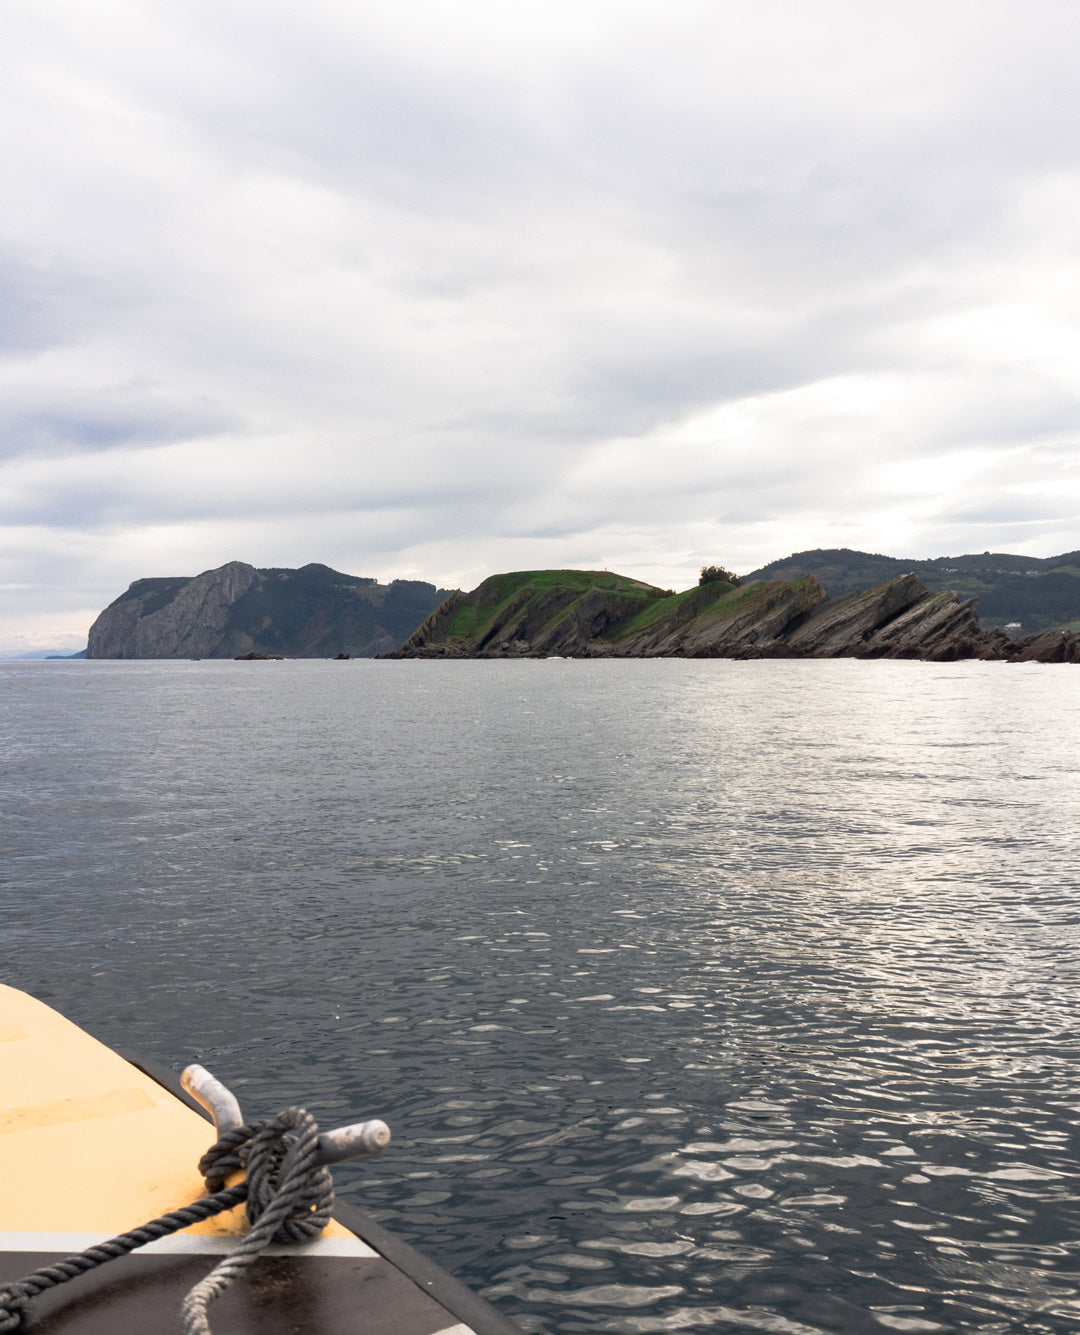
{"points": [[577, 614]]}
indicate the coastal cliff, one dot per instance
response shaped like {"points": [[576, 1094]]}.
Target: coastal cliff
{"points": [[313, 612], [591, 614]]}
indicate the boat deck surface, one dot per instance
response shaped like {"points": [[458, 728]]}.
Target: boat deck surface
{"points": [[92, 1146]]}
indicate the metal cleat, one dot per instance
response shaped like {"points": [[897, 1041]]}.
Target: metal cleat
{"points": [[344, 1142]]}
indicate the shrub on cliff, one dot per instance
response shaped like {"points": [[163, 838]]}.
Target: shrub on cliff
{"points": [[710, 574]]}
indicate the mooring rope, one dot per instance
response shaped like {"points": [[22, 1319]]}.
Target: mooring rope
{"points": [[289, 1196]]}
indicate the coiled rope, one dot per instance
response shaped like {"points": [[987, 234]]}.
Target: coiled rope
{"points": [[289, 1198]]}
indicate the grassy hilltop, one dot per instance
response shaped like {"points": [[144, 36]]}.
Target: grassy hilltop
{"points": [[550, 609]]}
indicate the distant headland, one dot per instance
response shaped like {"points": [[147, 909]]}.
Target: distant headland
{"points": [[313, 612], [594, 614], [828, 602]]}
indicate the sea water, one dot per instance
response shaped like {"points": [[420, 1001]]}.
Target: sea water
{"points": [[699, 995]]}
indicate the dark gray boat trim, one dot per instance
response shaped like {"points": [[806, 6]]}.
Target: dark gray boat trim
{"points": [[439, 1284]]}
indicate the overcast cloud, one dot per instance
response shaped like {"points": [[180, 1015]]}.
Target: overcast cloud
{"points": [[430, 290]]}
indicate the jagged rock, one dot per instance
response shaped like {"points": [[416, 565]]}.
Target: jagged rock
{"points": [[258, 658], [238, 610], [750, 623], [899, 619], [602, 615], [941, 627], [437, 628], [559, 622], [1038, 592], [1049, 646], [844, 626]]}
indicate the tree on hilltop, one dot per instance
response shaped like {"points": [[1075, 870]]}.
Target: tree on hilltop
{"points": [[710, 574]]}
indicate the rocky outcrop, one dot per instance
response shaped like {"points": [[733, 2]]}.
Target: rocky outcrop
{"points": [[744, 623], [189, 624], [1049, 646], [559, 621], [900, 619], [845, 624], [240, 611], [580, 614], [1013, 591]]}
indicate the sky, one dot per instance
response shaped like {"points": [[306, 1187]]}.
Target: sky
{"points": [[429, 290]]}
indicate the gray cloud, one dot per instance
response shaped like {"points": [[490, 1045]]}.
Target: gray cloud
{"points": [[427, 290]]}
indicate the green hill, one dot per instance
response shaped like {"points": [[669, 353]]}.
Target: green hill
{"points": [[537, 607]]}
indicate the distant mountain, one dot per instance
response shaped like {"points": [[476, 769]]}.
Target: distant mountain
{"points": [[593, 614], [1036, 592], [313, 612], [10, 655]]}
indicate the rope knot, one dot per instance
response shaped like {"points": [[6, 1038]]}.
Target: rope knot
{"points": [[289, 1195], [13, 1301], [285, 1181]]}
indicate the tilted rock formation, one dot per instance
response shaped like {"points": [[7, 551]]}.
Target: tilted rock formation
{"points": [[899, 619], [588, 614], [717, 619], [314, 612], [1034, 592]]}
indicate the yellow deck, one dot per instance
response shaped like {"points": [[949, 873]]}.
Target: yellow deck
{"points": [[88, 1143]]}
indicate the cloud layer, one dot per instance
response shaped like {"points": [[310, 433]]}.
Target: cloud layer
{"points": [[428, 289]]}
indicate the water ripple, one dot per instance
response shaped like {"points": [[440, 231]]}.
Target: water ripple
{"points": [[700, 996]]}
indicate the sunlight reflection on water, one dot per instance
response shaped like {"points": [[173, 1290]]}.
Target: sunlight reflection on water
{"points": [[719, 996]]}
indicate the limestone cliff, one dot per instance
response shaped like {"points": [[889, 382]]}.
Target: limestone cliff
{"points": [[314, 612], [589, 614]]}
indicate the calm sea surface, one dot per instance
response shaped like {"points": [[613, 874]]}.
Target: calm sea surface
{"points": [[699, 995]]}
